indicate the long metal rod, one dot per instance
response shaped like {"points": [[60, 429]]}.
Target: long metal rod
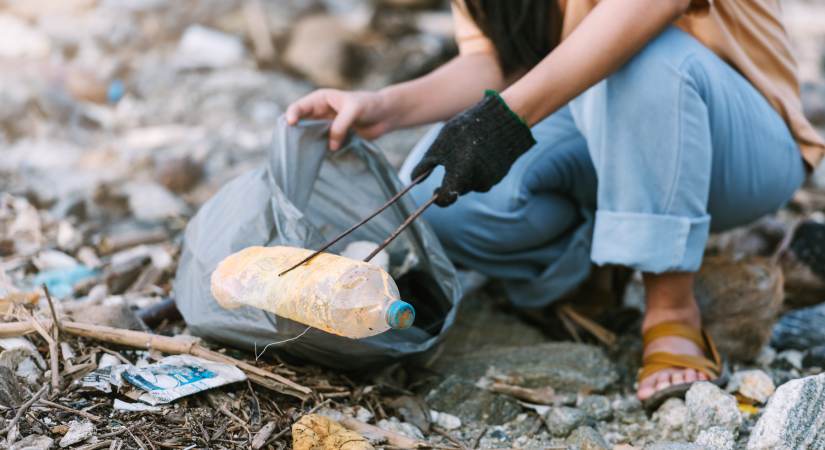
{"points": [[402, 227], [346, 233]]}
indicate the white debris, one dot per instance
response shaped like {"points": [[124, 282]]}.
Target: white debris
{"points": [[19, 40], [120, 405], [78, 432], [202, 47], [53, 259], [445, 420]]}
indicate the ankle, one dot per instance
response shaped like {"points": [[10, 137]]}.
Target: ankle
{"points": [[686, 314], [669, 298]]}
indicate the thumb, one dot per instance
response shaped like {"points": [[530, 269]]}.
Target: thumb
{"points": [[340, 125]]}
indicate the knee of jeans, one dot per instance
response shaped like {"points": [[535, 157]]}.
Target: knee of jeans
{"points": [[658, 71], [456, 229]]}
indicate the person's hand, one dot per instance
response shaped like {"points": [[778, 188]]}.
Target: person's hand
{"points": [[365, 112], [476, 148]]}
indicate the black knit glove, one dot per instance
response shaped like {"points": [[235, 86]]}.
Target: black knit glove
{"points": [[476, 148]]}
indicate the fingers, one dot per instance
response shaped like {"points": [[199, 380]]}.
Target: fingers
{"points": [[314, 106], [424, 166], [343, 121], [449, 192]]}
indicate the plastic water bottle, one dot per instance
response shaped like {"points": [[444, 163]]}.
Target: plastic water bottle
{"points": [[332, 293]]}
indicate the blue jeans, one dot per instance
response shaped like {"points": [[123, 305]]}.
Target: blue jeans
{"points": [[636, 171]]}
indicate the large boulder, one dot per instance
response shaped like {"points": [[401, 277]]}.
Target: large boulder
{"points": [[740, 301], [565, 366], [794, 417]]}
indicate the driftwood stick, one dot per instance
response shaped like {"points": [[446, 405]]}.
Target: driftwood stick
{"points": [[164, 344], [263, 435]]}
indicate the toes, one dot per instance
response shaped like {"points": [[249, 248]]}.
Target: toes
{"points": [[702, 376], [690, 376], [663, 381], [678, 377], [645, 392]]}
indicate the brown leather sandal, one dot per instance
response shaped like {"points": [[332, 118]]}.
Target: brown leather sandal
{"points": [[711, 364]]}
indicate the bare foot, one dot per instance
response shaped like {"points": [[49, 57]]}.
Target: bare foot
{"points": [[670, 377], [670, 299]]}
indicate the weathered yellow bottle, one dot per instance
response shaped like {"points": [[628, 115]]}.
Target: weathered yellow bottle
{"points": [[332, 293]]}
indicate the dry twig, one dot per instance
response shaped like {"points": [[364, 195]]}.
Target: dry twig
{"points": [[78, 412]]}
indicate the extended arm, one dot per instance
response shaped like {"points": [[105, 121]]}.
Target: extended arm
{"points": [[610, 35], [431, 98]]}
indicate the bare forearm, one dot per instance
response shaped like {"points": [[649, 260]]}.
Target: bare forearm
{"points": [[443, 93], [610, 35]]}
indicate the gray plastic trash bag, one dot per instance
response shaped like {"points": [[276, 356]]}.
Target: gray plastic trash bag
{"points": [[304, 196]]}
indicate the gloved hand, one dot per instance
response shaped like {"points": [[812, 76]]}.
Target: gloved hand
{"points": [[476, 148]]}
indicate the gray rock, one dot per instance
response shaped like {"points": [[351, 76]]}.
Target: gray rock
{"points": [[670, 419], [561, 420], [794, 417], [708, 406], [565, 366], [596, 407], [674, 446], [586, 438], [716, 438], [800, 329], [815, 357], [789, 360], [464, 400], [10, 393], [766, 356], [327, 62], [33, 442]]}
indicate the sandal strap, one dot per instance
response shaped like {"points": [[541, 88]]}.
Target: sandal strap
{"points": [[658, 361], [674, 329], [710, 365]]}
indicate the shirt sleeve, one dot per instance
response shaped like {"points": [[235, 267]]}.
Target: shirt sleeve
{"points": [[468, 36]]}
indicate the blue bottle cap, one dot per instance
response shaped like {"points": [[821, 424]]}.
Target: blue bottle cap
{"points": [[400, 315]]}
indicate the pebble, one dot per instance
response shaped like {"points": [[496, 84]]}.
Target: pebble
{"points": [[445, 420], [670, 419], [815, 357], [766, 356], [716, 438], [78, 432], [709, 406], [561, 420], [789, 359], [754, 385], [586, 438], [627, 405], [596, 407], [674, 446], [794, 417], [33, 442]]}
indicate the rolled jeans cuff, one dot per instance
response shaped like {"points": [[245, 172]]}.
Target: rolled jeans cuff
{"points": [[650, 242]]}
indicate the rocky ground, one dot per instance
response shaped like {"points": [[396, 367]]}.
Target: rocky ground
{"points": [[118, 119]]}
